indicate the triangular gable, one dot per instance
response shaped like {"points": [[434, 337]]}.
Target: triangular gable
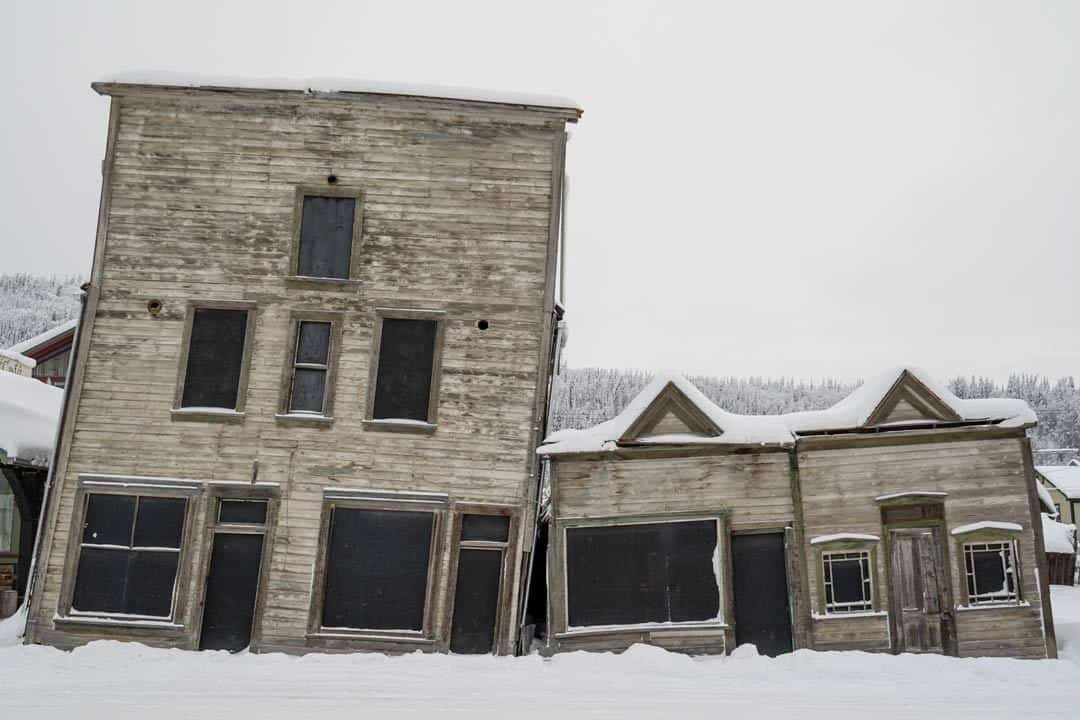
{"points": [[671, 412], [911, 401]]}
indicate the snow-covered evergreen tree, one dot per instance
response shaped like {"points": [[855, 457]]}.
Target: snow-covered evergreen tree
{"points": [[30, 305]]}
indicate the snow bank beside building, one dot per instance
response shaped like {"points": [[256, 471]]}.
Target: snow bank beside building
{"points": [[29, 413]]}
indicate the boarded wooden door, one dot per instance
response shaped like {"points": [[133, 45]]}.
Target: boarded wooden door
{"points": [[476, 601], [231, 588], [919, 594], [762, 610]]}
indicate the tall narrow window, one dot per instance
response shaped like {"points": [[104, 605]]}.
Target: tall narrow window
{"points": [[326, 237], [403, 384], [991, 575], [215, 358], [311, 363], [129, 555], [848, 584]]}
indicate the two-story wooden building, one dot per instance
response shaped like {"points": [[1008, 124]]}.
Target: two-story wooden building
{"points": [[902, 519], [311, 374]]}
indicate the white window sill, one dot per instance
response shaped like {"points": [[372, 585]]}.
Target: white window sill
{"points": [[206, 414], [414, 638], [993, 606], [845, 616], [639, 627], [304, 418], [402, 426], [115, 621]]}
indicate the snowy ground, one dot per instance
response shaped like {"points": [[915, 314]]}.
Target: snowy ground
{"points": [[111, 680]]}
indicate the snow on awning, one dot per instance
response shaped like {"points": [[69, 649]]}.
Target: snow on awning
{"points": [[29, 413], [841, 537], [986, 525]]}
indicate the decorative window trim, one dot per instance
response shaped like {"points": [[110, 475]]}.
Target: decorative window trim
{"points": [[847, 543], [436, 504], [177, 412], [104, 485], [405, 425], [723, 540], [989, 533], [284, 415], [297, 280]]}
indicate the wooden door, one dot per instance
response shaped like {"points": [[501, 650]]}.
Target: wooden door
{"points": [[920, 606], [762, 609], [231, 588], [476, 601]]}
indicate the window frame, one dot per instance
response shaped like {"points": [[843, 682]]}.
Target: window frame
{"points": [[284, 414], [435, 503], [843, 547], [403, 425], [866, 583], [990, 536], [103, 485], [178, 412], [299, 194], [725, 610]]}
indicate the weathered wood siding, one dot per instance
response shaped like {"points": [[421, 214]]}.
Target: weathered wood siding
{"points": [[752, 489], [984, 480], [457, 213]]}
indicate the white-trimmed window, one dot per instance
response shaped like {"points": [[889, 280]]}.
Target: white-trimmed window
{"points": [[848, 581], [990, 569]]}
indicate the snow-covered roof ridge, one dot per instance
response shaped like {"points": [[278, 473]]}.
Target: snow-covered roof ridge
{"points": [[336, 85], [29, 414], [1065, 478], [850, 413], [51, 333]]}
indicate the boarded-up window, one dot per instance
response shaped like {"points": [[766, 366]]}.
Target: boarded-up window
{"points": [[646, 573], [991, 576], [326, 236], [377, 569], [406, 359], [848, 584], [129, 555], [311, 362], [215, 358]]}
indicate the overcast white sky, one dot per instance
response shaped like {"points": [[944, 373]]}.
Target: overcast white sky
{"points": [[801, 189]]}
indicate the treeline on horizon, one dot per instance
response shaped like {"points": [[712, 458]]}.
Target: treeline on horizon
{"points": [[587, 396], [31, 304]]}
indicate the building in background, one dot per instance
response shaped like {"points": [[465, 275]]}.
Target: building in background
{"points": [[50, 351], [1062, 482]]}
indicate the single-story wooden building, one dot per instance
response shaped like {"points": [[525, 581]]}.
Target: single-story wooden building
{"points": [[1062, 482], [902, 519]]}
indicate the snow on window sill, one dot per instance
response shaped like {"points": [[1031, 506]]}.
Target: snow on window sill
{"points": [[206, 414], [639, 627], [404, 636], [324, 283], [994, 606], [845, 616], [134, 621], [401, 425], [304, 418]]}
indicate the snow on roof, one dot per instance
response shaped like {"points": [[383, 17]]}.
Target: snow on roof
{"points": [[1065, 478], [1044, 497], [735, 429], [341, 85], [851, 412], [986, 525], [19, 358], [854, 410], [820, 539], [50, 334], [1058, 536], [29, 413]]}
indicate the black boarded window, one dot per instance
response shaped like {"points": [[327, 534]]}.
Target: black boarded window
{"points": [[129, 555], [647, 573], [326, 235], [991, 577], [406, 359], [377, 569], [848, 586], [310, 366], [215, 358]]}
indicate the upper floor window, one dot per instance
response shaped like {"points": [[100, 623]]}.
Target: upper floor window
{"points": [[327, 230], [311, 364], [406, 368], [215, 362]]}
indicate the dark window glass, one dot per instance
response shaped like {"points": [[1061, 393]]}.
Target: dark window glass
{"points": [[406, 358], [109, 519], [160, 522], [138, 577], [310, 368], [326, 234], [243, 511], [847, 581], [656, 572], [485, 527], [991, 577], [377, 569], [215, 358]]}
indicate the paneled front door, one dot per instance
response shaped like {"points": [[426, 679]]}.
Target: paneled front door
{"points": [[919, 589]]}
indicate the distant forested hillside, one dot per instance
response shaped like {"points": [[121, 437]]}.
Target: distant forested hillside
{"points": [[587, 396], [30, 305]]}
